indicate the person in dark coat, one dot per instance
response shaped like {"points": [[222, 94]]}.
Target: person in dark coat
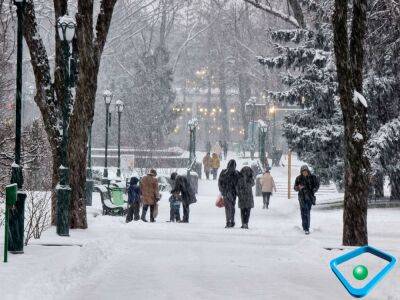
{"points": [[245, 194], [225, 149], [227, 184], [174, 202], [306, 185], [187, 195], [133, 200]]}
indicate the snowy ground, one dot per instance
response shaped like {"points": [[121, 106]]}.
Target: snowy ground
{"points": [[200, 260]]}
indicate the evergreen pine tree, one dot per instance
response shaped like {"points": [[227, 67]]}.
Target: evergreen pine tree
{"points": [[315, 133]]}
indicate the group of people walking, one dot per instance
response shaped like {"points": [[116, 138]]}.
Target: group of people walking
{"points": [[147, 195], [232, 184]]}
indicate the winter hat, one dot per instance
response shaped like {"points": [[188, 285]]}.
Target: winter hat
{"points": [[134, 180], [304, 168], [153, 172], [173, 175]]}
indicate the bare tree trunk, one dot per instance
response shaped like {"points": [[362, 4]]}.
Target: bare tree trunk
{"points": [[394, 185], [222, 100], [349, 62], [298, 13], [49, 96], [379, 181]]}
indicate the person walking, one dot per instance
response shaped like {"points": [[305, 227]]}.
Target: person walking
{"points": [[245, 194], [133, 200], [267, 186], [174, 202], [227, 184], [187, 196], [207, 161], [306, 185], [150, 194], [225, 149], [217, 149], [215, 164]]}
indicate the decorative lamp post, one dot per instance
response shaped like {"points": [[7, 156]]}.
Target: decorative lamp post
{"points": [[16, 216], [263, 129], [107, 100], [192, 126], [272, 112], [120, 107], [66, 32]]}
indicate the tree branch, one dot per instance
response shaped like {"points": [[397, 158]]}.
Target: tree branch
{"points": [[267, 8], [102, 25]]}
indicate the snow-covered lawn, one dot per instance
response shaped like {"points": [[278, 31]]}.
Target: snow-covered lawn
{"points": [[200, 260]]}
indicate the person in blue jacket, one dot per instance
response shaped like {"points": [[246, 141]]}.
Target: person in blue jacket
{"points": [[133, 200]]}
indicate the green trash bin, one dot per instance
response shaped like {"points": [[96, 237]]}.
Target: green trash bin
{"points": [[117, 196]]}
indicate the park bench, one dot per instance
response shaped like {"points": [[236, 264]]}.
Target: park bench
{"points": [[112, 201]]}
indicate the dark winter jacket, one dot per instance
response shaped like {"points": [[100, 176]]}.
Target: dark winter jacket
{"points": [[133, 191], [227, 181], [310, 185], [183, 187], [245, 188]]}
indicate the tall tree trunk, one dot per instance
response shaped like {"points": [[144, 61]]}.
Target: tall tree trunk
{"points": [[394, 177], [244, 96], [49, 95], [298, 13], [379, 181], [222, 100], [349, 62]]}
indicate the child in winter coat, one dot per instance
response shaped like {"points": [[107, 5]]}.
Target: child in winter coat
{"points": [[133, 200], [174, 202]]}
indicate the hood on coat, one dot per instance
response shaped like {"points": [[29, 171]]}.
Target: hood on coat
{"points": [[304, 168], [247, 173], [231, 165], [134, 181]]}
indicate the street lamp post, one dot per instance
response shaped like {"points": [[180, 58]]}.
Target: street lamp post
{"points": [[16, 218], [66, 31], [107, 100], [272, 111], [120, 107], [192, 126]]}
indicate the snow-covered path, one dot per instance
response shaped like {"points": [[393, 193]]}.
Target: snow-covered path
{"points": [[201, 260]]}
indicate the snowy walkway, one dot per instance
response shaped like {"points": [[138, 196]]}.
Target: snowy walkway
{"points": [[200, 260]]}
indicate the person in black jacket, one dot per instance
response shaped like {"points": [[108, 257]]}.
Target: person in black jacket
{"points": [[227, 183], [245, 194], [133, 200], [306, 185], [187, 195]]}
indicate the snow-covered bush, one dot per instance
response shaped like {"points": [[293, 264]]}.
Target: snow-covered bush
{"points": [[37, 214]]}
